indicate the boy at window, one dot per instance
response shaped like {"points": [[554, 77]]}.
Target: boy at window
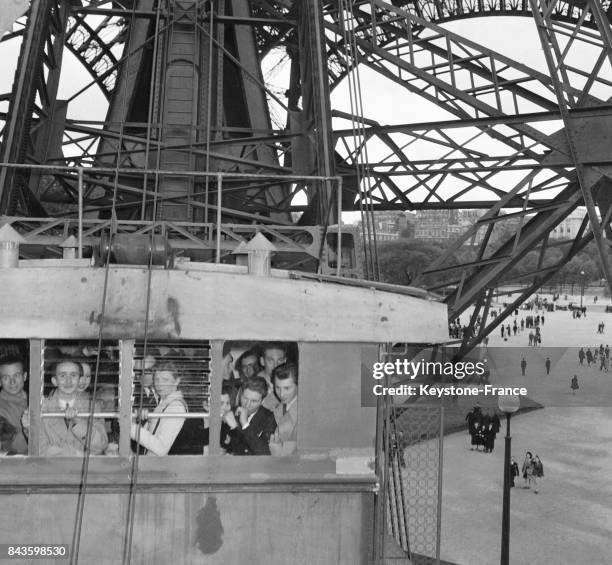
{"points": [[247, 365], [274, 354], [284, 439], [68, 435], [13, 401], [252, 425]]}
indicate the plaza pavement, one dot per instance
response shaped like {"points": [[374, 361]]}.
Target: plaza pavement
{"points": [[570, 520]]}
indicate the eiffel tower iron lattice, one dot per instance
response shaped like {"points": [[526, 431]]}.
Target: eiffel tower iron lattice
{"points": [[258, 90]]}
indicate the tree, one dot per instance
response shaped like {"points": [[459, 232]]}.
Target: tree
{"points": [[401, 260]]}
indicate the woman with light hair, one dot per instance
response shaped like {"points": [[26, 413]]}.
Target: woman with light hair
{"points": [[158, 434]]}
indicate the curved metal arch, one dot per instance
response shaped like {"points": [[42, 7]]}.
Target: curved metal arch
{"points": [[270, 36], [479, 62], [93, 52], [442, 11], [569, 11]]}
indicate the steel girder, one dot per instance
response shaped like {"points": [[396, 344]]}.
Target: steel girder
{"points": [[467, 80], [558, 49], [33, 93], [449, 10], [396, 33], [215, 119], [505, 161], [503, 101]]}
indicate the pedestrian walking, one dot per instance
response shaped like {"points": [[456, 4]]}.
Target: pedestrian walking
{"points": [[537, 339], [547, 365], [473, 418], [529, 470], [523, 366], [574, 384], [603, 363], [538, 469], [514, 471], [581, 356]]}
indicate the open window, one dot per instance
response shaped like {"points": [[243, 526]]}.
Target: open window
{"points": [[189, 362], [82, 375], [115, 381], [14, 370], [259, 400]]}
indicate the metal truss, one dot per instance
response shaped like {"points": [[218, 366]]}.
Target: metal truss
{"points": [[498, 97], [185, 238], [33, 96], [558, 44], [540, 177], [129, 49], [493, 153], [448, 10]]}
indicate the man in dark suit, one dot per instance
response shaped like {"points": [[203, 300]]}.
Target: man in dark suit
{"points": [[252, 424]]}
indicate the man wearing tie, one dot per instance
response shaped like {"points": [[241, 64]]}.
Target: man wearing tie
{"points": [[251, 425], [284, 440]]}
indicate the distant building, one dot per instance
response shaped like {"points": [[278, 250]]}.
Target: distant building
{"points": [[437, 225], [568, 228], [389, 225], [441, 225]]}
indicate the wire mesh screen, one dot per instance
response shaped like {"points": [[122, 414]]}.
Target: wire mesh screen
{"points": [[191, 360], [414, 480]]}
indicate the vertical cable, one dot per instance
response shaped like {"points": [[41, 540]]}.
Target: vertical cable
{"points": [[347, 18], [134, 467], [78, 520], [365, 160], [208, 110], [80, 226], [219, 203], [347, 47]]}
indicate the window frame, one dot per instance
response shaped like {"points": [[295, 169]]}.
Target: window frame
{"points": [[125, 385]]}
